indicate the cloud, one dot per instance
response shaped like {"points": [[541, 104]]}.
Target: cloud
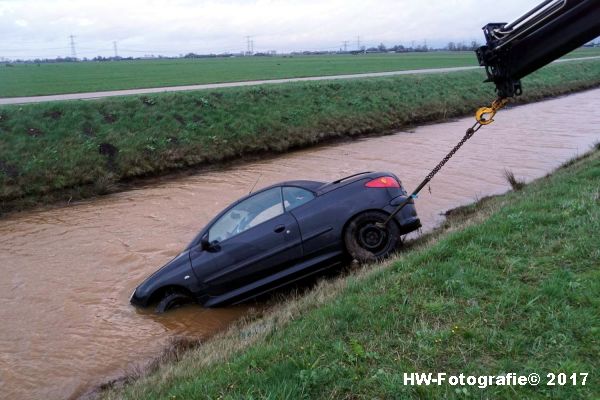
{"points": [[38, 28]]}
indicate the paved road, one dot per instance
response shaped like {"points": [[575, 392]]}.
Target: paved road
{"points": [[129, 92]]}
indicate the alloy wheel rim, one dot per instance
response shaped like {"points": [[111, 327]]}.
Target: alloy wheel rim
{"points": [[372, 238]]}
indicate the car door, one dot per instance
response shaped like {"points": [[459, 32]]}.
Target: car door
{"points": [[252, 240], [321, 225]]}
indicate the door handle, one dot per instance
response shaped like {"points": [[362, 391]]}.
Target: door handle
{"points": [[279, 228]]}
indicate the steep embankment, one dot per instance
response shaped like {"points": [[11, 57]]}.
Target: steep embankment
{"points": [[510, 284], [69, 150]]}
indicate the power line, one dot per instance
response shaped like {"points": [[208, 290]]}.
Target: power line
{"points": [[115, 48], [345, 43]]}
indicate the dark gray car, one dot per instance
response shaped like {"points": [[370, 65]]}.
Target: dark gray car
{"points": [[279, 235]]}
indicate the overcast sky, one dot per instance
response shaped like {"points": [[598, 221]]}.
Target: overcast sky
{"points": [[40, 28]]}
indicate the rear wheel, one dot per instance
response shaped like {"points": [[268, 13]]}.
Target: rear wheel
{"points": [[173, 300], [366, 242]]}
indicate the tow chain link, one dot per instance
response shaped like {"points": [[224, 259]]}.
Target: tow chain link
{"points": [[484, 116]]}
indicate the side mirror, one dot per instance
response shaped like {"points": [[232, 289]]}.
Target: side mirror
{"points": [[208, 246], [204, 243]]}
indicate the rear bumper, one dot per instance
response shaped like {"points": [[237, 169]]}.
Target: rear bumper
{"points": [[410, 226], [407, 218]]}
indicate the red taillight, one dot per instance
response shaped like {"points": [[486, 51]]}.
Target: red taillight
{"points": [[383, 182]]}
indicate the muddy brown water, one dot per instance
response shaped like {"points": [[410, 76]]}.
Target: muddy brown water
{"points": [[67, 273]]}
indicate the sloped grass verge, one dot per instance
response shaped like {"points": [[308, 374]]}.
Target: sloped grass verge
{"points": [[70, 150], [509, 284]]}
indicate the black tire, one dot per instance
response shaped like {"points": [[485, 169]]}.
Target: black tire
{"points": [[173, 300], [366, 242]]}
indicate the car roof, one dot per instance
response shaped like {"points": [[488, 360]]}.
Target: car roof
{"points": [[309, 185], [320, 188]]}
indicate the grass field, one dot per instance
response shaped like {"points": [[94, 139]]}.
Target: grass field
{"points": [[510, 284], [70, 150], [31, 79]]}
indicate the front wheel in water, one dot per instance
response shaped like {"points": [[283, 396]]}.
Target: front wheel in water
{"points": [[172, 301], [367, 242]]}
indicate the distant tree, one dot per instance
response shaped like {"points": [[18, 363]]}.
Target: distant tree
{"points": [[382, 48]]}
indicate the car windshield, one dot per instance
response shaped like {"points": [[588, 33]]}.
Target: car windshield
{"points": [[247, 214]]}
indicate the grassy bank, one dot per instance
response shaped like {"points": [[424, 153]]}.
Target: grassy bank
{"points": [[510, 284], [70, 150], [44, 79]]}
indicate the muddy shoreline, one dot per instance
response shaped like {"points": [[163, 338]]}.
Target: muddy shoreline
{"points": [[65, 197], [114, 182], [457, 216], [179, 346], [68, 272]]}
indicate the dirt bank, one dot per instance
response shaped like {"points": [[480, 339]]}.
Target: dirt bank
{"points": [[60, 152], [68, 272], [452, 302]]}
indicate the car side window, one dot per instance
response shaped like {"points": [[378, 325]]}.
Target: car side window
{"points": [[294, 197], [247, 214]]}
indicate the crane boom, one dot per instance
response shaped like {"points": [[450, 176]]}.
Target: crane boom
{"points": [[514, 50], [540, 36]]}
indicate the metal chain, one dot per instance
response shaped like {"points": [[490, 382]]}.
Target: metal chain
{"points": [[470, 132], [481, 121]]}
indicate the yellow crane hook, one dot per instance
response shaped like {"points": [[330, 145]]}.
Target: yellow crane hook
{"points": [[485, 115]]}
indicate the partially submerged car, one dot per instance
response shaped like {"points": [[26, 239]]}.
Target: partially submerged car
{"points": [[279, 235]]}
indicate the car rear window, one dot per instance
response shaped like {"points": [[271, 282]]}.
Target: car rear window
{"points": [[294, 197]]}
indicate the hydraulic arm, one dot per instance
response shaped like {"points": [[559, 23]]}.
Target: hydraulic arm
{"points": [[542, 35], [514, 50]]}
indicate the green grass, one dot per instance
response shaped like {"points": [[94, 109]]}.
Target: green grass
{"points": [[584, 52], [24, 80], [62, 150], [31, 79], [511, 284]]}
